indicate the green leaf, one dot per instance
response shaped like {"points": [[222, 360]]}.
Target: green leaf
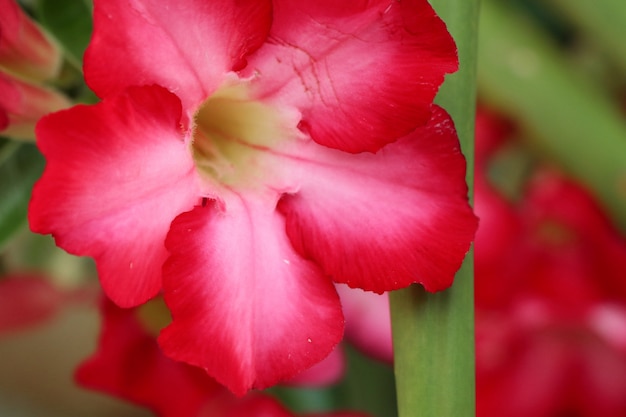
{"points": [[603, 21], [564, 115], [367, 386], [433, 334], [70, 22], [20, 166]]}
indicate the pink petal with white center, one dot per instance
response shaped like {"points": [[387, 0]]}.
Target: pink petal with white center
{"points": [[186, 46], [383, 221], [245, 306], [363, 74], [117, 174]]}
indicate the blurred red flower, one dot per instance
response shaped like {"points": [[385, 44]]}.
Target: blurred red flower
{"points": [[28, 299], [550, 299]]}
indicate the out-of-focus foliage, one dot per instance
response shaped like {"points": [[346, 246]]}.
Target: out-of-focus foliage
{"points": [[571, 112], [69, 22], [20, 165]]}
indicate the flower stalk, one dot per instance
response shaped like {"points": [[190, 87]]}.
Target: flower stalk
{"points": [[434, 333]]}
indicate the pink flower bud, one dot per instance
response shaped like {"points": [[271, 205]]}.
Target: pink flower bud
{"points": [[23, 103], [25, 49]]}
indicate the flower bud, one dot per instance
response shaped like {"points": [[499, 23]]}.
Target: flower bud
{"points": [[25, 49]]}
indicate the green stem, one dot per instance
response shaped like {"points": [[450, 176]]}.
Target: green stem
{"points": [[434, 333]]}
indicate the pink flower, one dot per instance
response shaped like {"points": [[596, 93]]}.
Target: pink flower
{"points": [[245, 155], [129, 364]]}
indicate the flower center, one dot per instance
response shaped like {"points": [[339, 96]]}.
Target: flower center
{"points": [[154, 315], [232, 134]]}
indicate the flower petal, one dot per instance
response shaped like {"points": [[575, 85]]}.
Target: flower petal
{"points": [[245, 306], [4, 119], [363, 74], [129, 364], [531, 373], [368, 321], [328, 371], [381, 222], [185, 46], [117, 174]]}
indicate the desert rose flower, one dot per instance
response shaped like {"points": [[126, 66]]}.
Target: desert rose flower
{"points": [[245, 156]]}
